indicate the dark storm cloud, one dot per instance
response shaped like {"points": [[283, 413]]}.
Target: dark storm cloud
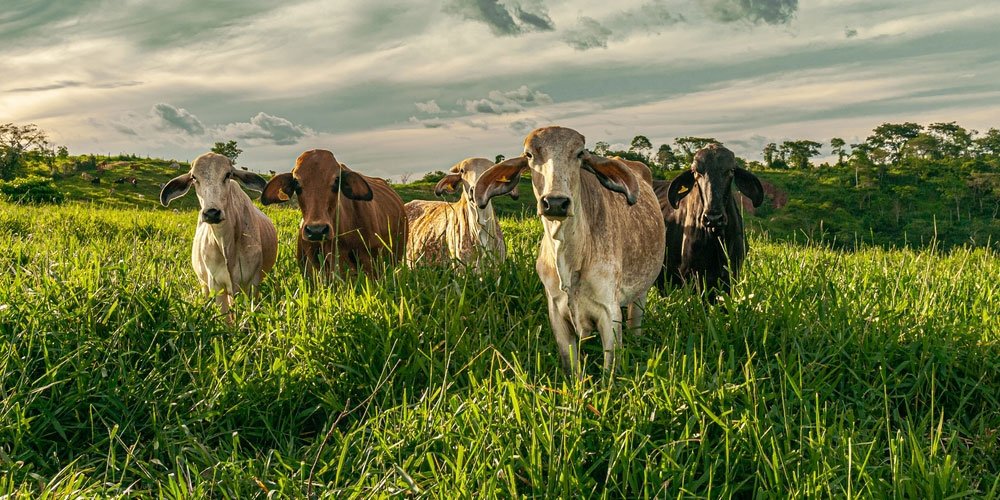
{"points": [[753, 11], [178, 118], [504, 19]]}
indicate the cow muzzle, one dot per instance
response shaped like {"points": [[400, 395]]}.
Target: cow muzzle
{"points": [[211, 216], [555, 207], [714, 221], [316, 232]]}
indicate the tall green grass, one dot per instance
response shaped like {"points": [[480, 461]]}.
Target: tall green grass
{"points": [[873, 373]]}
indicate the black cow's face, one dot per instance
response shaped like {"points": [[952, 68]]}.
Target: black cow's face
{"points": [[713, 172]]}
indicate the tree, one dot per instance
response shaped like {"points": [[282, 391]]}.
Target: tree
{"points": [[799, 152], [888, 141], [989, 143], [641, 145], [925, 146], [666, 158], [18, 144], [838, 146], [227, 149], [690, 145], [770, 154], [953, 139], [62, 152], [601, 148]]}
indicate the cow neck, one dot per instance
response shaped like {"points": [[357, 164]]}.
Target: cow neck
{"points": [[568, 240], [226, 234], [343, 222], [482, 221]]}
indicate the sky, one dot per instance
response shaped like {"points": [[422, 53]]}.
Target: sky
{"points": [[402, 87]]}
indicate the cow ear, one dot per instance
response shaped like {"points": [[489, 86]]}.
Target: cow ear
{"points": [[177, 187], [680, 187], [250, 180], [613, 175], [353, 185], [749, 185], [499, 180], [279, 189], [448, 184]]}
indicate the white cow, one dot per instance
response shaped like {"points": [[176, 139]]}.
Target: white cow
{"points": [[602, 246], [235, 243], [441, 232]]}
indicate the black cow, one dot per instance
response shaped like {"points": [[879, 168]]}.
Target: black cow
{"points": [[706, 243]]}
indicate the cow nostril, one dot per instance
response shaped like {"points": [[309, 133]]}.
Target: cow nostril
{"points": [[212, 215], [317, 231], [556, 206]]}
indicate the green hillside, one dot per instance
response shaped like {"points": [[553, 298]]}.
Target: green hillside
{"points": [[908, 206]]}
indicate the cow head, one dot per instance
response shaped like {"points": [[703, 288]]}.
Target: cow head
{"points": [[319, 181], [713, 171], [212, 176], [557, 159]]}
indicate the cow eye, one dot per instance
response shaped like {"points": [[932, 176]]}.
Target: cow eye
{"points": [[229, 175], [580, 154], [527, 154]]}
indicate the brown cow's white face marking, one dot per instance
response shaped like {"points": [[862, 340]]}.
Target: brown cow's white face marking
{"points": [[211, 175], [555, 158]]}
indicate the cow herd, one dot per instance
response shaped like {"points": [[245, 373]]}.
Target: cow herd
{"points": [[609, 230]]}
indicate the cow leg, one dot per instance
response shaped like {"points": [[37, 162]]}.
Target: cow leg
{"points": [[566, 339], [635, 313], [609, 324]]}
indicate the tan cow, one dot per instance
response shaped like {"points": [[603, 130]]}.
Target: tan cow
{"points": [[235, 244], [349, 220], [441, 232], [602, 245]]}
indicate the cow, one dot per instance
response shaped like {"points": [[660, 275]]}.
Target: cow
{"points": [[706, 243], [349, 220], [441, 232], [235, 244], [602, 241]]}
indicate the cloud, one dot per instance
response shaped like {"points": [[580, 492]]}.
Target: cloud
{"points": [[498, 102], [480, 124], [178, 118], [650, 17], [523, 126], [429, 107], [507, 18], [63, 84], [124, 129], [588, 34], [266, 128], [753, 11], [430, 123]]}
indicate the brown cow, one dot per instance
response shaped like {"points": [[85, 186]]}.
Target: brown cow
{"points": [[602, 242], [349, 220], [705, 238], [441, 232]]}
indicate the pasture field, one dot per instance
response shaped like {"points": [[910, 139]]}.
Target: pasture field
{"points": [[873, 373]]}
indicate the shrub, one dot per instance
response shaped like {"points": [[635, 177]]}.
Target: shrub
{"points": [[30, 189]]}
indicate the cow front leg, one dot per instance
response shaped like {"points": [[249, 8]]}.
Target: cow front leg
{"points": [[609, 324], [566, 339]]}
